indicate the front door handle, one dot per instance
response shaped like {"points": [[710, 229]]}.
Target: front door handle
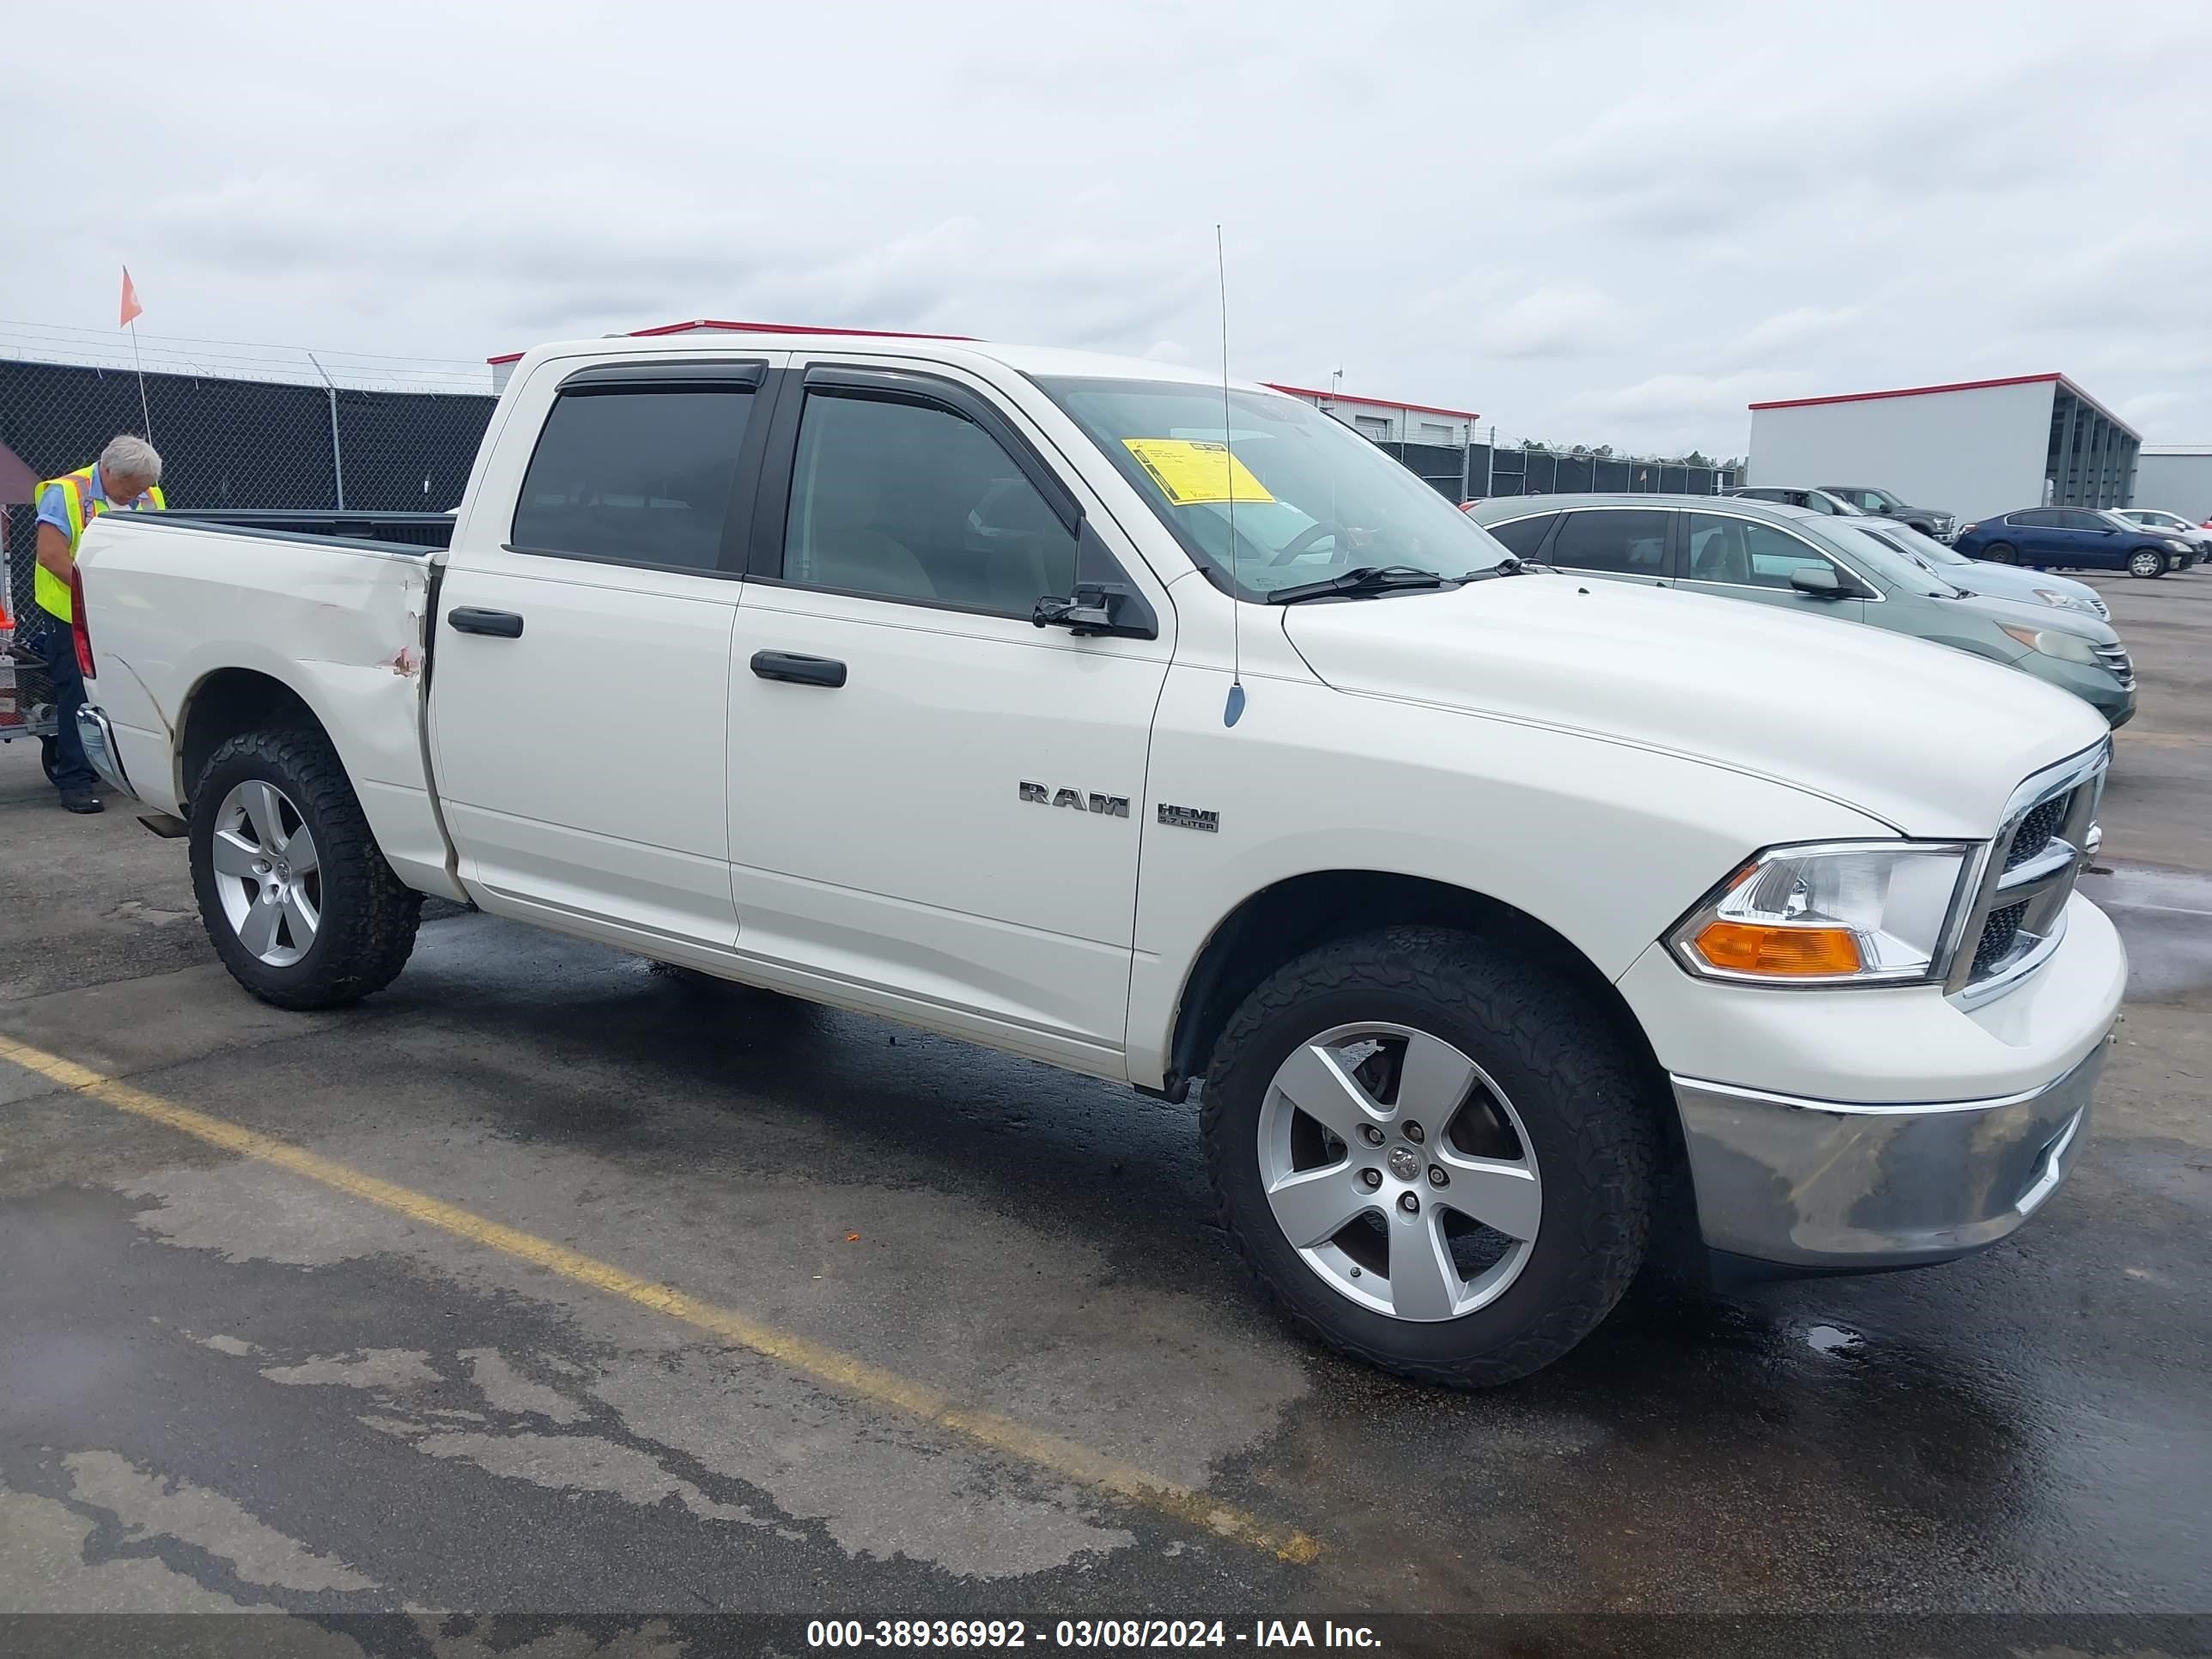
{"points": [[799, 671], [499, 625]]}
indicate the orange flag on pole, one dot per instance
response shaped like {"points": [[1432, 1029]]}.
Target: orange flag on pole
{"points": [[131, 305]]}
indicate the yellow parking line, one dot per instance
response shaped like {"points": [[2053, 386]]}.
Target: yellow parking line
{"points": [[825, 1365]]}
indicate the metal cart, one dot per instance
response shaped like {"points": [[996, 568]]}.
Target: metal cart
{"points": [[27, 701]]}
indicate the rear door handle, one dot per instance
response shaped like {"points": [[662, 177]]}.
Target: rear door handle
{"points": [[499, 625], [799, 671]]}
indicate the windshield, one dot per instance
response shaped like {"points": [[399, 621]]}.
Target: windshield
{"points": [[1873, 501], [1312, 499], [1878, 557], [1907, 540]]}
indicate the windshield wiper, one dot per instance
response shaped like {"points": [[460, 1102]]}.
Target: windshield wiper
{"points": [[1363, 580], [1510, 565]]}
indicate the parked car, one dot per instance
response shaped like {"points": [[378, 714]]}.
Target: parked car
{"points": [[1795, 559], [2075, 538], [1816, 501], [1513, 919], [2001, 581], [1881, 504], [2159, 521]]}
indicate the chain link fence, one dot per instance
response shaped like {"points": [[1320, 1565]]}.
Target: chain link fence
{"points": [[1479, 470], [233, 443], [273, 432]]}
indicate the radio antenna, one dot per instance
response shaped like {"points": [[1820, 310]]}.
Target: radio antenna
{"points": [[1234, 708]]}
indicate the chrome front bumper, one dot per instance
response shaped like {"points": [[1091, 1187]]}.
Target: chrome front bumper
{"points": [[99, 740], [1824, 1186]]}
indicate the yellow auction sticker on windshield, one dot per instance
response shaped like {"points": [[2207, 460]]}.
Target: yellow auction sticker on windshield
{"points": [[1189, 471]]}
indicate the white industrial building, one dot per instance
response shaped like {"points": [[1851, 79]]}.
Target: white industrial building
{"points": [[2176, 476], [1974, 448], [1387, 421]]}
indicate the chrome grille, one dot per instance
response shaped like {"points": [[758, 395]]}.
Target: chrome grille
{"points": [[1999, 934], [2036, 828], [2115, 657], [2018, 913]]}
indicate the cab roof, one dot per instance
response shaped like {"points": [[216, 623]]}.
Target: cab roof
{"points": [[1035, 362]]}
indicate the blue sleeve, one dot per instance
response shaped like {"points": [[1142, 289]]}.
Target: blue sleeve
{"points": [[52, 509]]}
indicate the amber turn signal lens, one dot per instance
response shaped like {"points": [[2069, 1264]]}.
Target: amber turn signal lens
{"points": [[1749, 947]]}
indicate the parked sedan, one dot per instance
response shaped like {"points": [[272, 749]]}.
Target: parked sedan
{"points": [[2075, 538], [2000, 581], [1789, 556], [2160, 522]]}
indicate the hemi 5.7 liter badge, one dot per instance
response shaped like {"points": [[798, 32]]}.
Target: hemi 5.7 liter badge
{"points": [[1190, 818]]}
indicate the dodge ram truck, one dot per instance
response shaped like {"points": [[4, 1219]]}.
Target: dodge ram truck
{"points": [[1512, 927]]}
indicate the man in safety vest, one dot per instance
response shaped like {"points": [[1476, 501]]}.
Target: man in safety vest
{"points": [[127, 476]]}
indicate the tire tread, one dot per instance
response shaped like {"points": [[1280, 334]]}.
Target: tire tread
{"points": [[1552, 1032], [362, 946]]}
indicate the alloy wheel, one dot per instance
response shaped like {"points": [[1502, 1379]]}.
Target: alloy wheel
{"points": [[1399, 1171], [268, 871]]}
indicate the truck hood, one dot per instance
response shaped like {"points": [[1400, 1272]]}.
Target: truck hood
{"points": [[1930, 740]]}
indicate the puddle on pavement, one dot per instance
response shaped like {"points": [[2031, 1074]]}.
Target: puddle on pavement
{"points": [[2165, 918]]}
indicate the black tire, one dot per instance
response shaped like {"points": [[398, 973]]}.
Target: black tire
{"points": [[2000, 553], [367, 930], [1585, 1103], [47, 750], [2148, 563]]}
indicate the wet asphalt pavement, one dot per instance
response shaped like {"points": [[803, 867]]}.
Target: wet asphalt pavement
{"points": [[875, 1324]]}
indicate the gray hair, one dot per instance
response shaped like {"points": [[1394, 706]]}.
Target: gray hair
{"points": [[126, 457]]}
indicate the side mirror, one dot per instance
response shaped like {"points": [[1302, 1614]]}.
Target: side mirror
{"points": [[1097, 608], [1819, 582], [1103, 602]]}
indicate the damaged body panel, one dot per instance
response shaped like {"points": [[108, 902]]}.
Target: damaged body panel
{"points": [[210, 620]]}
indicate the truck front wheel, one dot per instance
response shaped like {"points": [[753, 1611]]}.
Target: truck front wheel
{"points": [[1434, 1154], [300, 905]]}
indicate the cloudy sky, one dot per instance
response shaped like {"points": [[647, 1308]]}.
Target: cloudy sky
{"points": [[1594, 223]]}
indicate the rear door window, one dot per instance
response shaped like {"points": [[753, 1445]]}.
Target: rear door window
{"points": [[1615, 541], [637, 475]]}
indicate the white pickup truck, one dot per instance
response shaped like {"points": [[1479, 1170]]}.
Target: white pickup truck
{"points": [[1513, 924]]}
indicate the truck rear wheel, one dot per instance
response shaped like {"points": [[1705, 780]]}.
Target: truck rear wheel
{"points": [[293, 890], [1434, 1154]]}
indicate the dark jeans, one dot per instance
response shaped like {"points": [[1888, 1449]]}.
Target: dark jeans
{"points": [[57, 648]]}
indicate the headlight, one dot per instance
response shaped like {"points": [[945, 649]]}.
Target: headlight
{"points": [[2065, 601], [2068, 648], [2177, 546], [1836, 914]]}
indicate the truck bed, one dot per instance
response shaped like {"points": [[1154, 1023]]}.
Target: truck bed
{"points": [[180, 611]]}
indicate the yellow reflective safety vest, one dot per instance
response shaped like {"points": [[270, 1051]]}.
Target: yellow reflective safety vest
{"points": [[82, 506]]}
